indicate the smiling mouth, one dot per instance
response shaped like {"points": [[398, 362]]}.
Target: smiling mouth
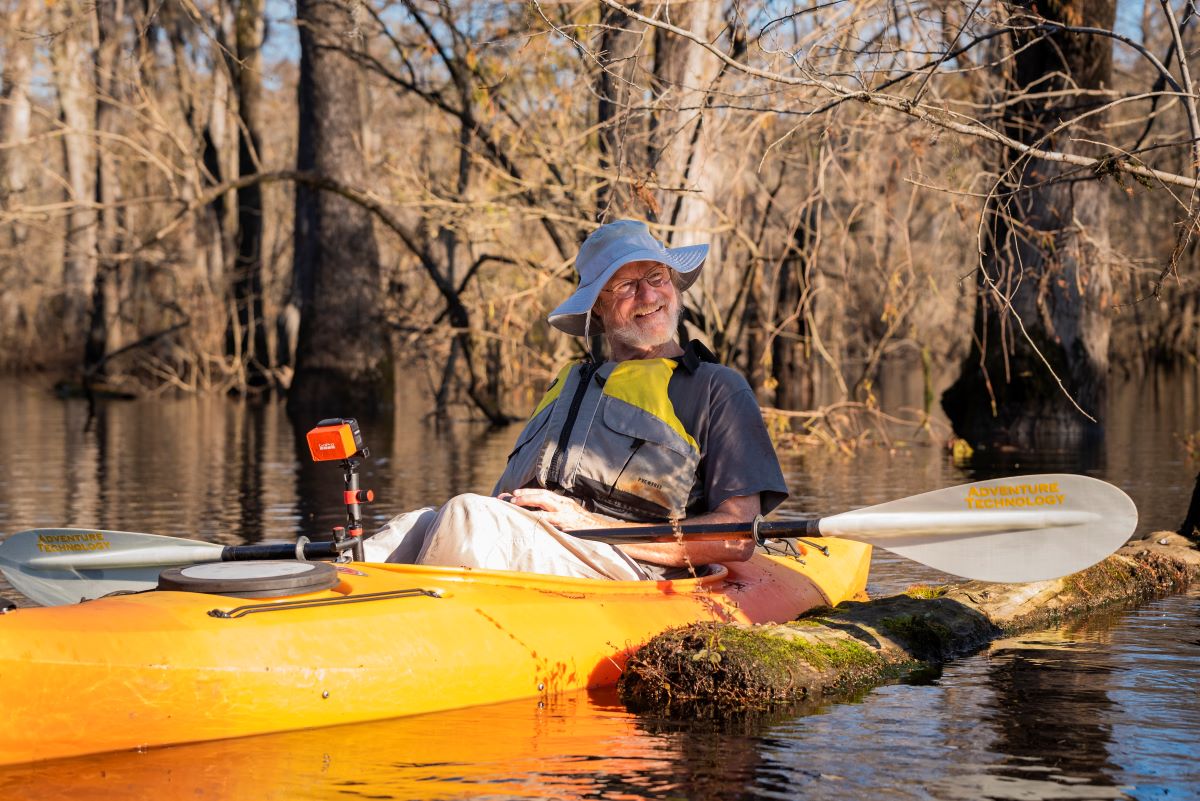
{"points": [[655, 310]]}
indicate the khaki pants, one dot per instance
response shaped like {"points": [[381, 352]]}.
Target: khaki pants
{"points": [[478, 531]]}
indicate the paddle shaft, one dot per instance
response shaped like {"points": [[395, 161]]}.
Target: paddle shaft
{"points": [[702, 532], [308, 551], [698, 532]]}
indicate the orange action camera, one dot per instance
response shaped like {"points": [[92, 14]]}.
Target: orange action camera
{"points": [[335, 439]]}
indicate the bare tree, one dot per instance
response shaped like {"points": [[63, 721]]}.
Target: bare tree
{"points": [[70, 60], [343, 364], [248, 331], [1045, 271], [15, 108], [105, 328], [861, 169], [1044, 277], [619, 52]]}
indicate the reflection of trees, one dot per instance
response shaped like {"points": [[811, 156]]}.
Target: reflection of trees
{"points": [[250, 432], [1089, 456], [741, 758], [705, 761], [1052, 711]]}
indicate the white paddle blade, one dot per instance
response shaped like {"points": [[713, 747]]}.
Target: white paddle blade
{"points": [[1028, 528], [54, 566]]}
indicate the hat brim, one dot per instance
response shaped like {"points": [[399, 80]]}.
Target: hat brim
{"points": [[571, 314]]}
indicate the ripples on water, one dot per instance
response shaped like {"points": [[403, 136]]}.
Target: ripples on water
{"points": [[1105, 710]]}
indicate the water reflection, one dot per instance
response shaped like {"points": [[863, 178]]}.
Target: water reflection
{"points": [[231, 471], [216, 469], [1052, 715], [709, 762], [1108, 710], [577, 746]]}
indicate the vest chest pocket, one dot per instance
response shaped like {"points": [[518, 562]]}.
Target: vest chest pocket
{"points": [[636, 464]]}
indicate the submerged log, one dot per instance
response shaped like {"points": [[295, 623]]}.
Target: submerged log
{"points": [[723, 670]]}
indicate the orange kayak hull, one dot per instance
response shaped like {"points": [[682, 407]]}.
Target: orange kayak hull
{"points": [[162, 668]]}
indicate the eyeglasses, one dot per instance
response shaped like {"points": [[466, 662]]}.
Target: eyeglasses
{"points": [[628, 288]]}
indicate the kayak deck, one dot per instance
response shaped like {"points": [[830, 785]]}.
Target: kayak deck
{"points": [[160, 668]]}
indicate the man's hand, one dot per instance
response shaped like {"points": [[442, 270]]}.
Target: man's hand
{"points": [[567, 514], [558, 510], [739, 509]]}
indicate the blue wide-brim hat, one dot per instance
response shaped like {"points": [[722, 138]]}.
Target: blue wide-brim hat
{"points": [[608, 249]]}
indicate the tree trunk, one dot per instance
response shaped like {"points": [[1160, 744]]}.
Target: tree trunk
{"points": [[343, 360], [176, 26], [754, 337], [15, 112], [104, 328], [1044, 281], [681, 136], [216, 145], [679, 143], [69, 60], [793, 369], [619, 54], [1190, 527], [790, 346], [248, 339]]}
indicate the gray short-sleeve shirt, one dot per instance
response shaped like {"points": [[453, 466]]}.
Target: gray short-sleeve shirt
{"points": [[718, 408]]}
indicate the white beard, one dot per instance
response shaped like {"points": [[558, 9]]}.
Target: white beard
{"points": [[634, 336]]}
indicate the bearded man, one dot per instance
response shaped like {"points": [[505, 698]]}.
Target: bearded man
{"points": [[658, 432]]}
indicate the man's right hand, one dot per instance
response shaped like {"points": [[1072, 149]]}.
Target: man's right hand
{"points": [[558, 510]]}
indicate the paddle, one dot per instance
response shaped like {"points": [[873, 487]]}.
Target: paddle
{"points": [[1009, 529], [55, 566], [1027, 528]]}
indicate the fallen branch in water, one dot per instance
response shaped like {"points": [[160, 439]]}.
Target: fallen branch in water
{"points": [[725, 670], [847, 426]]}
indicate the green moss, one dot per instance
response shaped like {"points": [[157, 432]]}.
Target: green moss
{"points": [[767, 651], [1109, 580], [843, 655], [925, 592], [774, 652], [925, 637]]}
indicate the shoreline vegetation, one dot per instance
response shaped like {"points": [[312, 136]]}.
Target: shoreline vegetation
{"points": [[257, 198], [729, 671]]}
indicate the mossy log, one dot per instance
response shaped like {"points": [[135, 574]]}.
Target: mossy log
{"points": [[723, 670]]}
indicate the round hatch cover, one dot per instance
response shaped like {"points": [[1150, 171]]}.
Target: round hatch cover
{"points": [[267, 579]]}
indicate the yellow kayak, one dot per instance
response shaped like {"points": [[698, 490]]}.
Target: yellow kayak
{"points": [[167, 667]]}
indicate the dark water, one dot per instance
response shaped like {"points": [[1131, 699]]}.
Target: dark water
{"points": [[1107, 709]]}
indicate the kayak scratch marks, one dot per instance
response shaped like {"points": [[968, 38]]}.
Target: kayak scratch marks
{"points": [[574, 596], [550, 678]]}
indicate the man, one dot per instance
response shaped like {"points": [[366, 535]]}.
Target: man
{"points": [[658, 432]]}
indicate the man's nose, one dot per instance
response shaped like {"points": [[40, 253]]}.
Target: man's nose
{"points": [[644, 290]]}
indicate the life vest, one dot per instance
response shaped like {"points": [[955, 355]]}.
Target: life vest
{"points": [[608, 435]]}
